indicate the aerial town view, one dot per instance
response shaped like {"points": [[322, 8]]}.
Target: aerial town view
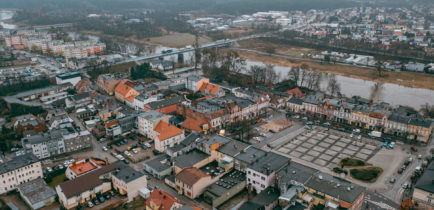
{"points": [[217, 104]]}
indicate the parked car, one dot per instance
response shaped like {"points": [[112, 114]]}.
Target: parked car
{"points": [[148, 145], [400, 170], [49, 169], [272, 131], [392, 180], [359, 137], [309, 123], [100, 198], [143, 147], [60, 167], [341, 129], [134, 150], [126, 161], [89, 204], [356, 130], [95, 201], [414, 148], [107, 196], [127, 153], [304, 118], [326, 124], [296, 116], [351, 135], [104, 148]]}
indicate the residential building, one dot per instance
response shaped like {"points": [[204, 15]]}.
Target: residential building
{"points": [[44, 145], [81, 167], [184, 146], [226, 188], [266, 200], [83, 188], [142, 99], [37, 194], [194, 158], [159, 167], [125, 91], [262, 173], [19, 170], [128, 181], [78, 100], [193, 125], [212, 90], [165, 106], [108, 82], [193, 83], [159, 199], [148, 121], [71, 77], [423, 192], [167, 135], [192, 182]]}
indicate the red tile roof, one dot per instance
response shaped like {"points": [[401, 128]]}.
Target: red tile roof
{"points": [[190, 175], [193, 124], [124, 88], [162, 199], [209, 88], [167, 131], [81, 168], [295, 92]]}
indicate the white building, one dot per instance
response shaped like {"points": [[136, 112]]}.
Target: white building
{"points": [[141, 100], [166, 135], [148, 121], [19, 170], [128, 181], [44, 145]]}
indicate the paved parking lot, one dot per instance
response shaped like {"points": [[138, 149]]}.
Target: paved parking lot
{"points": [[325, 149]]}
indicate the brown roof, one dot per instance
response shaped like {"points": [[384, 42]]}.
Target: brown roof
{"points": [[88, 181], [192, 124], [190, 175], [162, 199], [166, 130]]}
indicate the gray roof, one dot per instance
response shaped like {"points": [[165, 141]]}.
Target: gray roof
{"points": [[191, 138], [126, 173], [426, 181], [68, 75], [226, 183], [296, 172], [295, 101], [152, 115], [80, 96], [190, 158], [166, 102], [335, 187], [18, 162], [233, 148], [250, 155], [36, 191], [269, 162], [216, 139], [157, 163], [267, 196]]}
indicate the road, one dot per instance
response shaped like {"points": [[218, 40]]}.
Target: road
{"points": [[374, 201]]}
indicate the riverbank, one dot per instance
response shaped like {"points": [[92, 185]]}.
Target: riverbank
{"points": [[174, 40], [408, 79]]}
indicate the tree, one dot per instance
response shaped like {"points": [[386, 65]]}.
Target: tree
{"points": [[428, 110], [257, 73], [294, 75], [379, 66], [270, 74], [333, 86]]}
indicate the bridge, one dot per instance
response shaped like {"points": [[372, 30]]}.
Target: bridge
{"points": [[225, 43]]}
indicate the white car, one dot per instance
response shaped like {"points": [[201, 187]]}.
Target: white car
{"points": [[148, 145], [104, 148], [127, 153], [49, 169], [134, 151], [359, 137], [351, 135]]}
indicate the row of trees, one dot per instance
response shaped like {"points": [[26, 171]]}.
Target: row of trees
{"points": [[12, 87]]}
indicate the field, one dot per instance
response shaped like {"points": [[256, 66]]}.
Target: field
{"points": [[409, 79], [178, 40], [277, 125]]}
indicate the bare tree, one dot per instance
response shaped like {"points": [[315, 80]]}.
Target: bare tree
{"points": [[428, 110], [257, 73], [294, 75], [379, 66], [270, 74], [333, 86]]}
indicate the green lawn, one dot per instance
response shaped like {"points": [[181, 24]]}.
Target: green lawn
{"points": [[351, 162], [57, 180], [369, 174]]}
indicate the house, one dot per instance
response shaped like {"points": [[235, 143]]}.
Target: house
{"points": [[295, 105], [78, 100], [194, 158], [192, 182], [184, 146], [165, 106], [83, 188], [37, 194], [141, 100], [51, 113], [148, 121], [60, 121], [19, 170], [193, 125], [71, 77], [167, 136], [125, 91], [212, 90], [83, 86], [128, 181], [194, 82], [424, 188], [262, 173], [44, 145], [81, 167], [266, 200], [226, 188], [159, 167], [27, 124], [159, 200], [108, 82]]}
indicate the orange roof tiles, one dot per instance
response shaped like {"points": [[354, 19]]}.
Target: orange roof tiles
{"points": [[190, 175], [124, 88], [295, 92], [167, 131], [162, 199], [130, 98], [82, 167], [193, 124], [209, 88], [110, 124]]}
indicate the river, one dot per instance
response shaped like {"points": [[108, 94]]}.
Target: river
{"points": [[6, 15], [386, 92]]}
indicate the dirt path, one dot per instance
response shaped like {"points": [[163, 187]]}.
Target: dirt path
{"points": [[415, 80]]}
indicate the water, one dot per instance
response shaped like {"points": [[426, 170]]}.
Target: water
{"points": [[387, 92], [6, 15]]}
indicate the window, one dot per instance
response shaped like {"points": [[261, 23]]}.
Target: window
{"points": [[263, 186], [263, 178]]}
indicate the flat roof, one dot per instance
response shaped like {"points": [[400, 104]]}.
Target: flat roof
{"points": [[159, 163], [190, 159], [426, 181], [18, 162], [36, 191], [226, 182], [269, 162]]}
